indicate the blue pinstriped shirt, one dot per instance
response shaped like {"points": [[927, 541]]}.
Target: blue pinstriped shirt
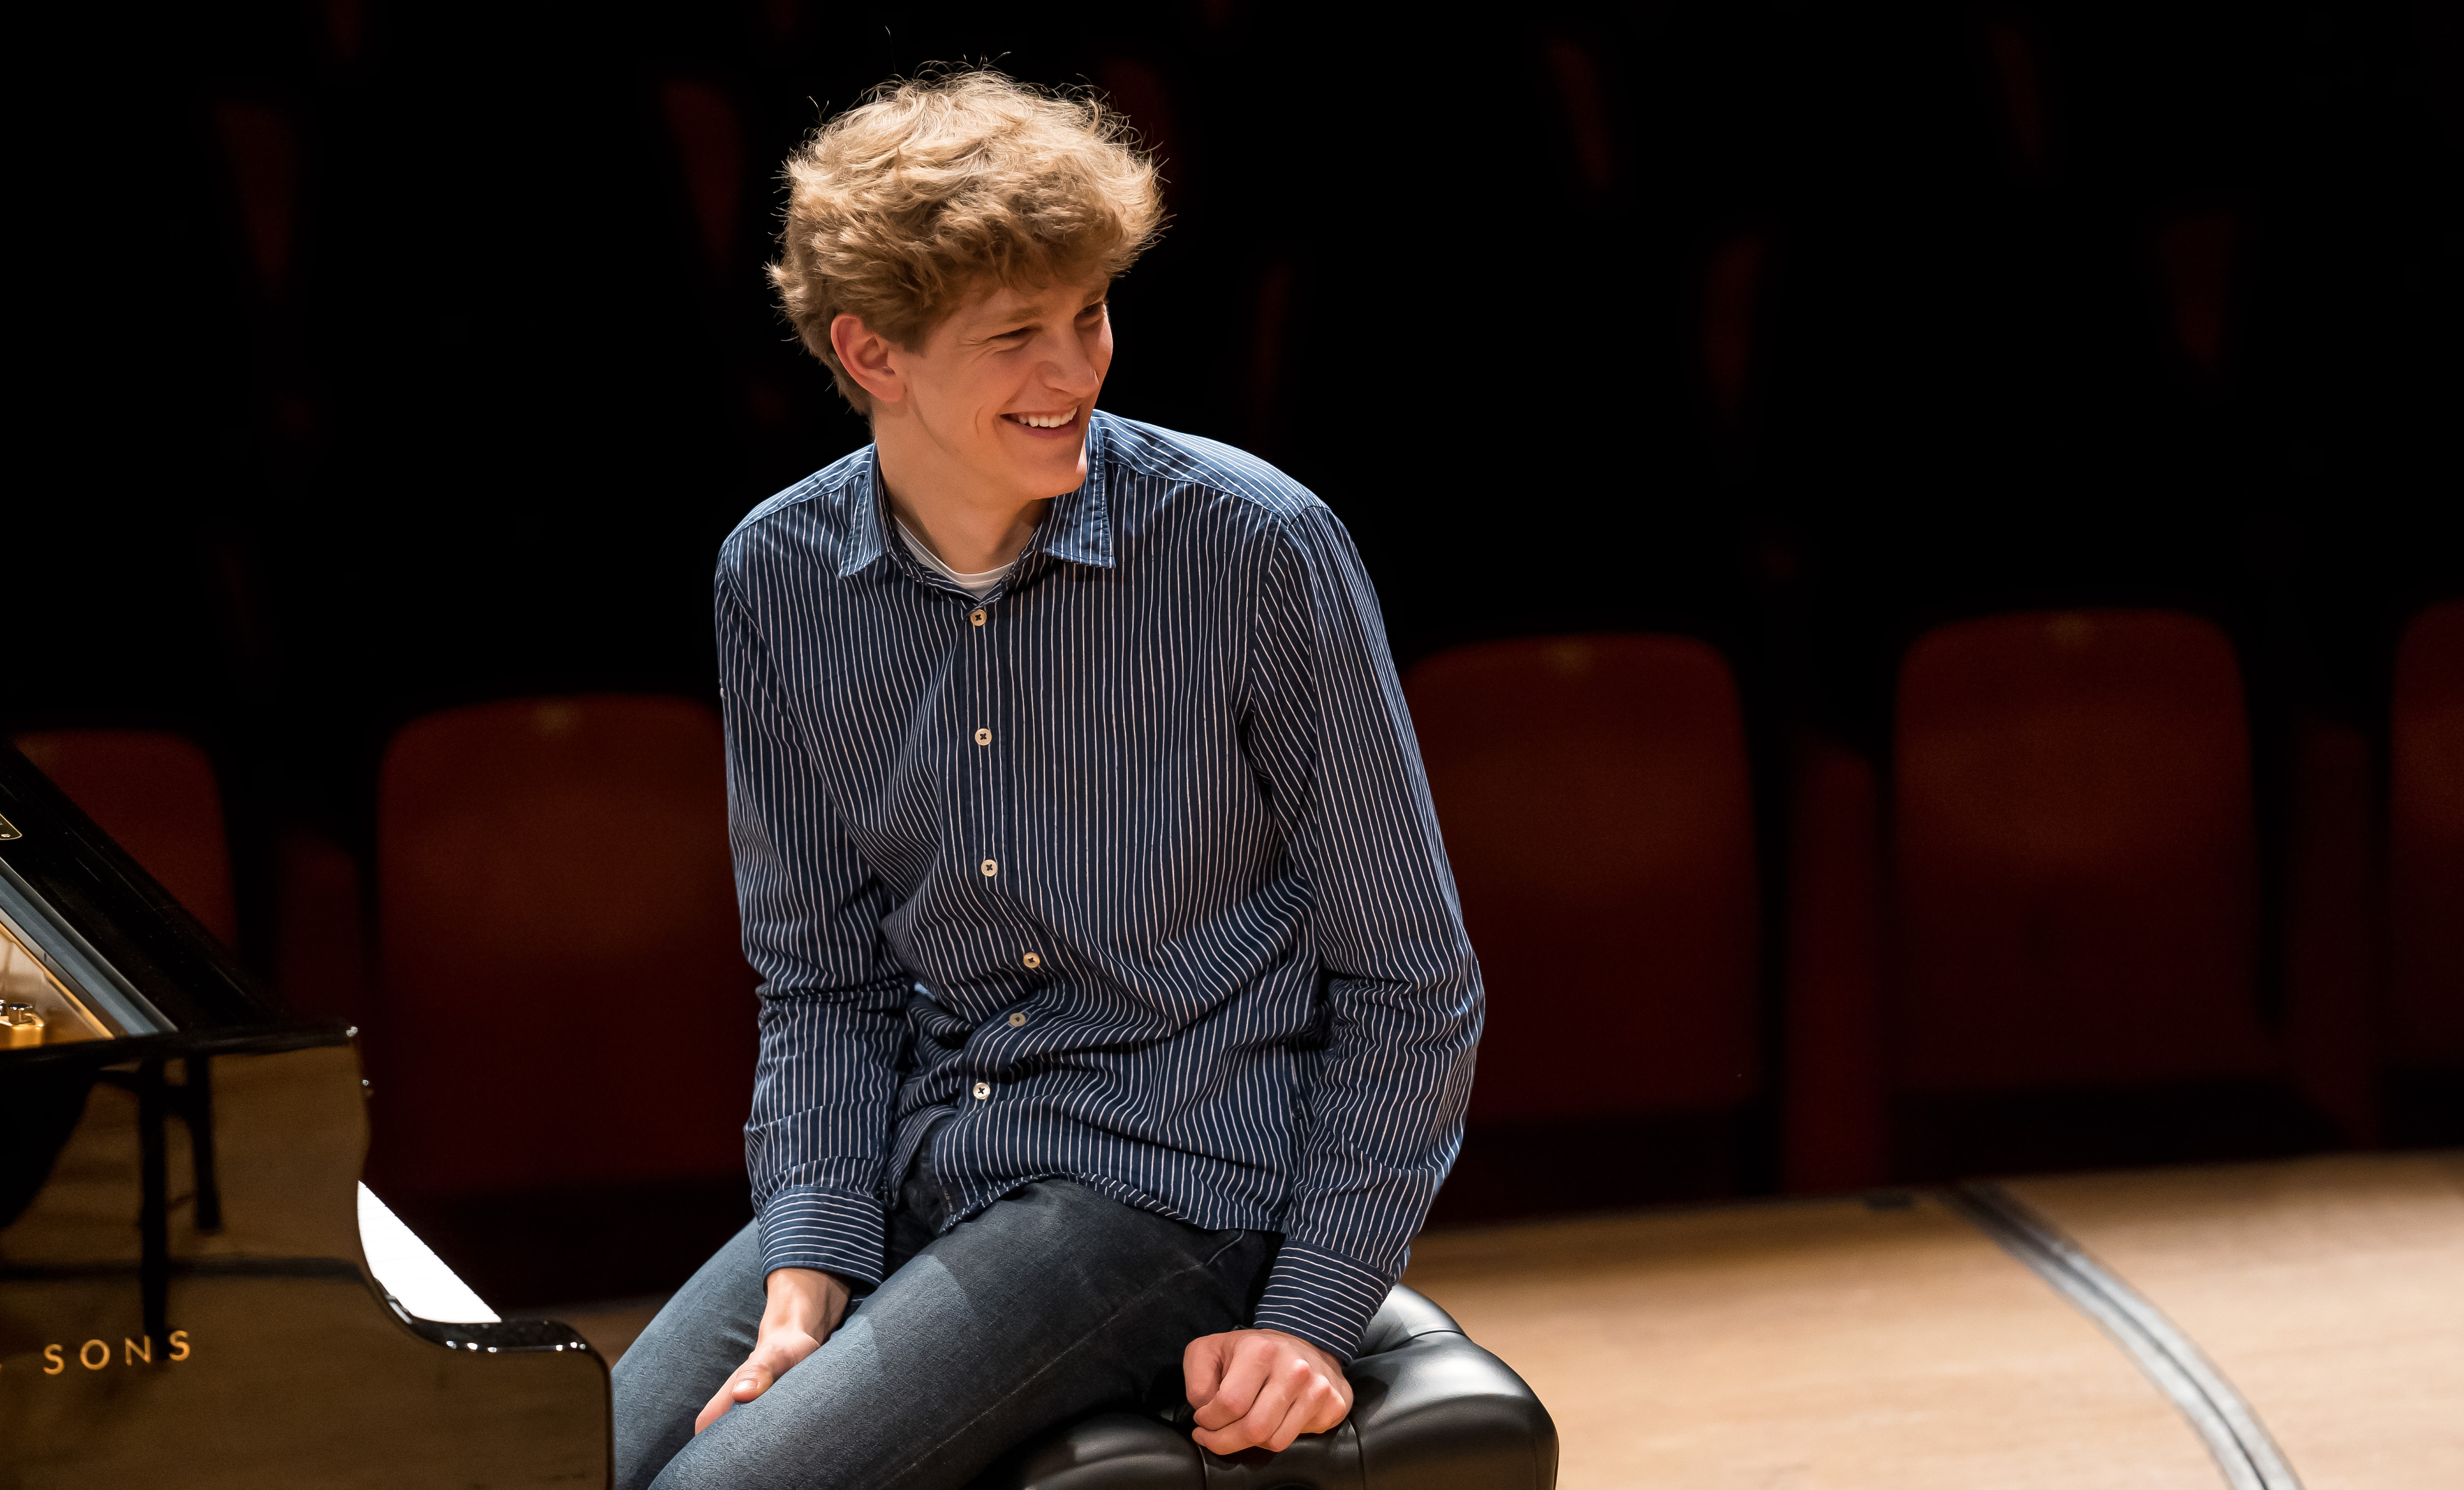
{"points": [[1129, 870]]}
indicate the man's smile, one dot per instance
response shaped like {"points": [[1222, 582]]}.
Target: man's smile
{"points": [[1062, 418]]}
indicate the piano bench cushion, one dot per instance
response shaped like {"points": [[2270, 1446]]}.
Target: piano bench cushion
{"points": [[1431, 1411]]}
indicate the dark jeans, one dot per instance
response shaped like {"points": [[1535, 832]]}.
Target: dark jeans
{"points": [[1051, 1302]]}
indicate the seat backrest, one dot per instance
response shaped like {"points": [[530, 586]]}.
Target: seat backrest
{"points": [[1596, 810], [2075, 864], [155, 795], [561, 995], [2426, 839]]}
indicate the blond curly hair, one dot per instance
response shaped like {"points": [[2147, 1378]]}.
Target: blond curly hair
{"points": [[901, 207]]}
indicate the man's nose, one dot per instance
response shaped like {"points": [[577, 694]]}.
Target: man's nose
{"points": [[1070, 370]]}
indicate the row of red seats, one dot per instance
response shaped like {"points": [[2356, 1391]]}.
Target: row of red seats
{"points": [[2052, 889], [2053, 885], [554, 997]]}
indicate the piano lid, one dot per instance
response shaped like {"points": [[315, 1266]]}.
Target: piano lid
{"points": [[97, 959]]}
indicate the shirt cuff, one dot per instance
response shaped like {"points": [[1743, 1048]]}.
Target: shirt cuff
{"points": [[1324, 1297], [803, 1227]]}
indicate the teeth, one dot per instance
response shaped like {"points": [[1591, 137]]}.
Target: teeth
{"points": [[1045, 421]]}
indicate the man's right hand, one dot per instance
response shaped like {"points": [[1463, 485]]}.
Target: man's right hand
{"points": [[804, 1306]]}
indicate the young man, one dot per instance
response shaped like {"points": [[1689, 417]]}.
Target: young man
{"points": [[1117, 1017]]}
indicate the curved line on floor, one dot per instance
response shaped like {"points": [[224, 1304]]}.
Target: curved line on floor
{"points": [[2222, 1417]]}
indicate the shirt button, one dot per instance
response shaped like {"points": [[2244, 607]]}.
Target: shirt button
{"points": [[983, 1089], [991, 868], [979, 617], [1032, 960], [1018, 1022], [983, 737]]}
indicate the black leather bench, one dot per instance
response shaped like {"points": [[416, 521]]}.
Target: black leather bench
{"points": [[1430, 1411]]}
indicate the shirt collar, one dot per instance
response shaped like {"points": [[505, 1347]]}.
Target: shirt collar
{"points": [[867, 535], [1079, 527]]}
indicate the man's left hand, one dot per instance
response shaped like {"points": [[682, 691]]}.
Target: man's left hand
{"points": [[1262, 1387]]}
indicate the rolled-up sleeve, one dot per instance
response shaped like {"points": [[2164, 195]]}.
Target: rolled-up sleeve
{"points": [[1328, 730], [834, 1030]]}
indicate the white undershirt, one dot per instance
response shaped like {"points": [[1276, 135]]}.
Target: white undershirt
{"points": [[978, 585]]}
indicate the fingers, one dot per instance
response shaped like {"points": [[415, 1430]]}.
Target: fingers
{"points": [[1325, 1408], [1276, 1394], [1263, 1418], [1296, 1421], [743, 1384], [1202, 1368], [1251, 1358], [771, 1355], [1293, 1396]]}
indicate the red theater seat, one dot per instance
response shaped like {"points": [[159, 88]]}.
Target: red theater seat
{"points": [[1594, 795], [2075, 866], [563, 1006], [2075, 914], [2425, 841], [155, 795]]}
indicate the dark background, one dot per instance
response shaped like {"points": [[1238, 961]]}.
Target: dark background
{"points": [[409, 355], [390, 357]]}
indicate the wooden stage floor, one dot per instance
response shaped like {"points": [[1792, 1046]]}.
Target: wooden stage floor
{"points": [[1794, 1344], [1844, 1343]]}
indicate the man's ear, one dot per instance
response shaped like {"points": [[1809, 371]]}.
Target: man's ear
{"points": [[864, 353]]}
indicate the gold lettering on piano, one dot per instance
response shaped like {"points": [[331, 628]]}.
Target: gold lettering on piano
{"points": [[95, 1354]]}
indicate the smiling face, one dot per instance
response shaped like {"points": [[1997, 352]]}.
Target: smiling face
{"points": [[991, 409]]}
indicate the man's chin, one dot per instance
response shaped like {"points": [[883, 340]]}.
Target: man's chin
{"points": [[1047, 482]]}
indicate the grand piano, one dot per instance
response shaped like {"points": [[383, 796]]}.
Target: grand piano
{"points": [[195, 1289]]}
